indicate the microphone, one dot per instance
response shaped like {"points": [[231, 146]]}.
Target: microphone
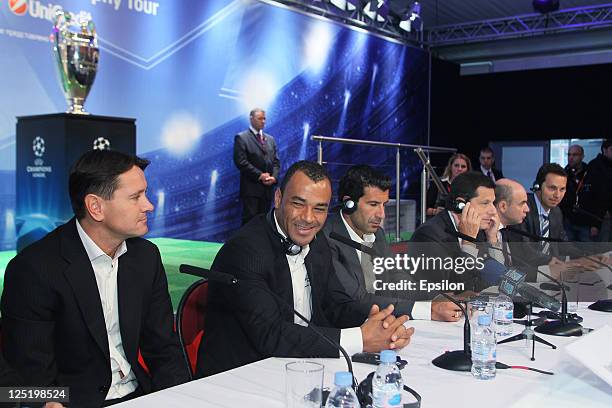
{"points": [[353, 244], [513, 284], [457, 360], [604, 305], [496, 268], [226, 278], [213, 276]]}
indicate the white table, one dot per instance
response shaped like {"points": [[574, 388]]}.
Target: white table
{"points": [[261, 384]]}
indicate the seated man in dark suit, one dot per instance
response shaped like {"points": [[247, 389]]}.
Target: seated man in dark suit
{"points": [[470, 212], [284, 263], [519, 251], [364, 192], [79, 304], [545, 219]]}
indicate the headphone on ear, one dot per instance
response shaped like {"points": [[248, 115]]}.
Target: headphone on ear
{"points": [[456, 205], [349, 206], [290, 247], [537, 184]]}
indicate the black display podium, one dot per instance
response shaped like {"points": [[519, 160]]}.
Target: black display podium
{"points": [[47, 147]]}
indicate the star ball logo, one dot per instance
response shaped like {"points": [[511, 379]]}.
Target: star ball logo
{"points": [[18, 7], [38, 146], [101, 143]]}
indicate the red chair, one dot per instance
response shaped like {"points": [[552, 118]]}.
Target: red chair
{"points": [[190, 319]]}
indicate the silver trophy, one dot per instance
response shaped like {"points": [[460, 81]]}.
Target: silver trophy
{"points": [[75, 45]]}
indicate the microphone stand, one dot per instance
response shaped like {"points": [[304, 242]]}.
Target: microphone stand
{"points": [[226, 278], [528, 334], [602, 305], [457, 360]]}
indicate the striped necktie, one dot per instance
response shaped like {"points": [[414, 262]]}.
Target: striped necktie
{"points": [[545, 233]]}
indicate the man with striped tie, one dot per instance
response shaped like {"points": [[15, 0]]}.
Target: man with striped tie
{"points": [[545, 217]]}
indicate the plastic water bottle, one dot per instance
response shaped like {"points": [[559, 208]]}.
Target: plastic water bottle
{"points": [[504, 314], [387, 383], [342, 395], [483, 349]]}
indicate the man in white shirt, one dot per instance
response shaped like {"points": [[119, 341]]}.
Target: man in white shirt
{"points": [[364, 192], [80, 305], [284, 264]]}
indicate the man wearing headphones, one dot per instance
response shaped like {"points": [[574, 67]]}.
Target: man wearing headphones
{"points": [[545, 219], [470, 214], [364, 192], [283, 265]]}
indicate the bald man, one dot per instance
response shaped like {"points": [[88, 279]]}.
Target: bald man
{"points": [[512, 208]]}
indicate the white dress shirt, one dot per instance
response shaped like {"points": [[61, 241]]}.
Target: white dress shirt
{"points": [[350, 339], [488, 173], [421, 309], [123, 380]]}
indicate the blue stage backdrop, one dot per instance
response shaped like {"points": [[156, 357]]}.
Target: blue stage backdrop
{"points": [[189, 71]]}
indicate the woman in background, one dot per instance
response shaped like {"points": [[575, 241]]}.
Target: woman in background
{"points": [[457, 164]]}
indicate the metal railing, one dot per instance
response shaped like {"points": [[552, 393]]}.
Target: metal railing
{"points": [[398, 147]]}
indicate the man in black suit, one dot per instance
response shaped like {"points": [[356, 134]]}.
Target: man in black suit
{"points": [[284, 264], [256, 156], [487, 163], [364, 192], [470, 212], [545, 219], [80, 304]]}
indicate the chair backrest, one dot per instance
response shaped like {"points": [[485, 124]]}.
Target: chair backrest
{"points": [[190, 319]]}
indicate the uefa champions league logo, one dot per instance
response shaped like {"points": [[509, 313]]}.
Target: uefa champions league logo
{"points": [[38, 146], [101, 143]]}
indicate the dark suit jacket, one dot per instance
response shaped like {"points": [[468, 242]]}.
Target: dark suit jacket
{"points": [[248, 322], [53, 325], [252, 159], [348, 269], [433, 240], [531, 224], [496, 173]]}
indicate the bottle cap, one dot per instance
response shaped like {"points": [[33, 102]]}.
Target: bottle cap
{"points": [[388, 356], [343, 379]]}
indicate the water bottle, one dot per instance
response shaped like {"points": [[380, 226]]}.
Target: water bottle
{"points": [[483, 349], [342, 395], [387, 383], [504, 314]]}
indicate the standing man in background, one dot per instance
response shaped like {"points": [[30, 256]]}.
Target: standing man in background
{"points": [[576, 222], [487, 161], [256, 156], [600, 197]]}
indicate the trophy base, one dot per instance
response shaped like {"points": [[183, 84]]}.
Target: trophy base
{"points": [[77, 110]]}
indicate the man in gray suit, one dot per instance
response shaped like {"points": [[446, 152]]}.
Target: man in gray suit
{"points": [[364, 192], [256, 156]]}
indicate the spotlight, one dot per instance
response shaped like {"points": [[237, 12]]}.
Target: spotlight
{"points": [[376, 10], [413, 20], [545, 6]]}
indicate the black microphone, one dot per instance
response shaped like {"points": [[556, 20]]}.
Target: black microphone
{"points": [[604, 305], [513, 284], [226, 278], [457, 360], [514, 256], [353, 244], [214, 276]]}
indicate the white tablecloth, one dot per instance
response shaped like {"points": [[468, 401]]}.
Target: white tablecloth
{"points": [[262, 384]]}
